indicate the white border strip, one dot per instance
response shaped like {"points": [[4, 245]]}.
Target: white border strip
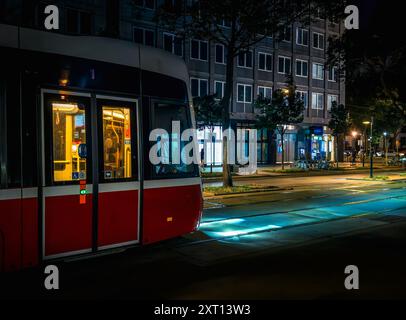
{"points": [[71, 190], [30, 193], [153, 184], [66, 254], [114, 98], [67, 92], [118, 245], [119, 186], [10, 194], [17, 194]]}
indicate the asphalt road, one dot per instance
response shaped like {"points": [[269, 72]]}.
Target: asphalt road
{"points": [[290, 244]]}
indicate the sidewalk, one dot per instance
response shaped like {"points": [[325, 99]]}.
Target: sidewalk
{"points": [[277, 187], [276, 171]]}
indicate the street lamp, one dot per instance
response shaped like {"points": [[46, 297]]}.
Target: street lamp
{"points": [[371, 154], [385, 134], [285, 91], [354, 145], [364, 143]]}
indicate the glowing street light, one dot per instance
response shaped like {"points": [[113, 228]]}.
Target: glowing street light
{"points": [[385, 134], [370, 144]]}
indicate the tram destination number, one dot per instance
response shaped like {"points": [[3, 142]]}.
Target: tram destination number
{"points": [[203, 310]]}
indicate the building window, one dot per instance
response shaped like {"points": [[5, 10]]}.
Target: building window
{"points": [[200, 87], [265, 92], [219, 87], [245, 59], [198, 50], [78, 22], [318, 41], [220, 54], [265, 61], [332, 74], [284, 65], [173, 44], [287, 34], [144, 36], [225, 23], [148, 4], [304, 96], [319, 14], [302, 68], [244, 93], [318, 71], [302, 37], [330, 100], [317, 101]]}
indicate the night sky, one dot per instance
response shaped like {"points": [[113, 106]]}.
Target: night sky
{"points": [[384, 17]]}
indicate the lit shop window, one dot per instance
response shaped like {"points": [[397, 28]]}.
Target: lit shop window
{"points": [[69, 141], [117, 156]]}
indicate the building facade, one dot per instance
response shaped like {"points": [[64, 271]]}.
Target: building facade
{"points": [[262, 70]]}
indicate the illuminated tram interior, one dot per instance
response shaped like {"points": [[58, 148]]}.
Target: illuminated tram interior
{"points": [[117, 142], [69, 132], [69, 137]]}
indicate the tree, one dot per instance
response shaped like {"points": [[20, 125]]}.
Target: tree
{"points": [[208, 112], [339, 123], [373, 59], [388, 118], [237, 25], [285, 108]]}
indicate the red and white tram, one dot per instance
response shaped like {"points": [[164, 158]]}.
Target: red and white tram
{"points": [[75, 119]]}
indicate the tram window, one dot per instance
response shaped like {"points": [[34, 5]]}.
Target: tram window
{"points": [[168, 145], [117, 153], [69, 137], [3, 136]]}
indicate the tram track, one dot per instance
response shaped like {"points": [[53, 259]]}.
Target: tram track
{"points": [[218, 205], [303, 208], [297, 213]]}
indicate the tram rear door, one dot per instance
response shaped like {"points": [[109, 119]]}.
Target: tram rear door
{"points": [[90, 189]]}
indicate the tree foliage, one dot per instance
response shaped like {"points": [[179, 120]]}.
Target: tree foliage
{"points": [[279, 111], [340, 119], [339, 123], [373, 59], [238, 25], [208, 111], [388, 117]]}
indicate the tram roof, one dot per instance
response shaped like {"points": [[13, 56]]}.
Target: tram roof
{"points": [[95, 48]]}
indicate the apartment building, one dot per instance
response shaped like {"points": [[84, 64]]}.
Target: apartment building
{"points": [[261, 70]]}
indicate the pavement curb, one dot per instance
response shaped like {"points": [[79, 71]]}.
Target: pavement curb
{"points": [[301, 175], [237, 194]]}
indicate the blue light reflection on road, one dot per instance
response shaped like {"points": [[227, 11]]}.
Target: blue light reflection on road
{"points": [[235, 227]]}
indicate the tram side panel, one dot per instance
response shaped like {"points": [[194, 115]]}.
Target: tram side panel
{"points": [[171, 211], [172, 189], [29, 161], [29, 245], [10, 184]]}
